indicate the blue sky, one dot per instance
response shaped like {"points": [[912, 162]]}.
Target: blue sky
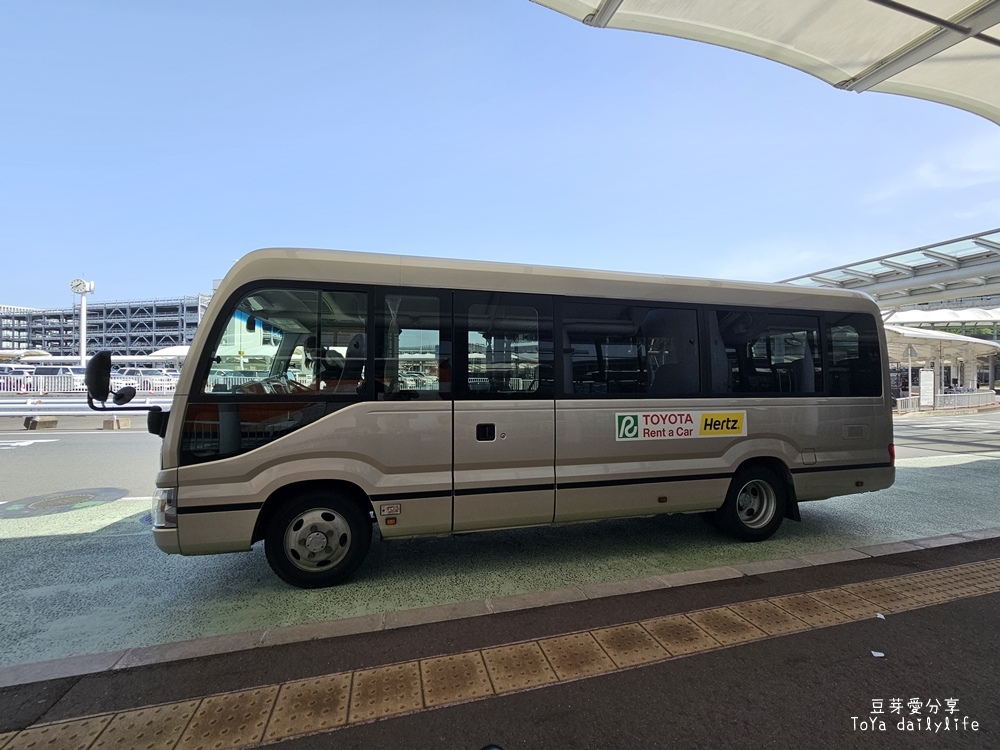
{"points": [[146, 145]]}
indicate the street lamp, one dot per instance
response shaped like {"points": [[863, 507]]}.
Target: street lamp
{"points": [[83, 288]]}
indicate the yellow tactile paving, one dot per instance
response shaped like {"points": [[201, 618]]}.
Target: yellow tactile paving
{"points": [[769, 617], [679, 635], [66, 735], [576, 655], [271, 713], [925, 589], [516, 667], [308, 706], [386, 691], [726, 626], [230, 721], [846, 603], [455, 678], [156, 728], [811, 611], [878, 593], [628, 645]]}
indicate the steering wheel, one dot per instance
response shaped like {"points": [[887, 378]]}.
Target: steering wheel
{"points": [[273, 386]]}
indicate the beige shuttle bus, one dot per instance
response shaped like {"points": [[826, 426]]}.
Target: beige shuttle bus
{"points": [[326, 391]]}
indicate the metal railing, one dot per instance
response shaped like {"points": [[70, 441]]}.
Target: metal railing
{"points": [[41, 385], [943, 401]]}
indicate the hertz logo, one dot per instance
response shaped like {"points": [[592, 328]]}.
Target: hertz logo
{"points": [[716, 423]]}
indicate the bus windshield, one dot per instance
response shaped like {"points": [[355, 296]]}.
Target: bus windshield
{"points": [[290, 341]]}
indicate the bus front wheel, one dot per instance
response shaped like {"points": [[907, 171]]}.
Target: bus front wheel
{"points": [[755, 504], [317, 540]]}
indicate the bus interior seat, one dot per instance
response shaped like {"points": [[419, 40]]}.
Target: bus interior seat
{"points": [[804, 372], [677, 374], [354, 363]]}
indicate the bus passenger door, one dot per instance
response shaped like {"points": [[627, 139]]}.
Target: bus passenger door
{"points": [[409, 418], [504, 428]]}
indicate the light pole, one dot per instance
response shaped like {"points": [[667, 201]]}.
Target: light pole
{"points": [[83, 288]]}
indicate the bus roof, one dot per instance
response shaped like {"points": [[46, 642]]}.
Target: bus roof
{"points": [[340, 266]]}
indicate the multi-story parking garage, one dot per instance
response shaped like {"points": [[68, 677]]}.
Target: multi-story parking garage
{"points": [[132, 328]]}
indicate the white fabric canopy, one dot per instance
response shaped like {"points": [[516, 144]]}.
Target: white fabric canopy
{"points": [[965, 315], [934, 344], [940, 50]]}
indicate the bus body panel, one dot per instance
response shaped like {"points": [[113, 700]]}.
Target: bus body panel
{"points": [[504, 476], [393, 454], [817, 485]]}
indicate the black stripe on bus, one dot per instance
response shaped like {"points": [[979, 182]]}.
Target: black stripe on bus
{"points": [[218, 508], [642, 480], [410, 496], [512, 488]]}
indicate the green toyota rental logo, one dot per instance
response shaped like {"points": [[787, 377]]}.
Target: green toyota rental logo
{"points": [[671, 425], [628, 426]]}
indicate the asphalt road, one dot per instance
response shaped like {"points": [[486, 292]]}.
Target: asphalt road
{"points": [[83, 577]]}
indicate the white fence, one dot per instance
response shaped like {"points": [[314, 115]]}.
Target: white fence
{"points": [[40, 385], [948, 401]]}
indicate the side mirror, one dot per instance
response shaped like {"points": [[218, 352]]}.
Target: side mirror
{"points": [[123, 396], [98, 382], [98, 376]]}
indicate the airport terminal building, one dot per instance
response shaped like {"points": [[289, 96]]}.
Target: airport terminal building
{"points": [[123, 328]]}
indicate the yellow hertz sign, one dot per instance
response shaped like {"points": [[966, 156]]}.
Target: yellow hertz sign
{"points": [[671, 425]]}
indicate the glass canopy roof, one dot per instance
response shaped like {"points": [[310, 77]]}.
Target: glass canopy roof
{"points": [[964, 267]]}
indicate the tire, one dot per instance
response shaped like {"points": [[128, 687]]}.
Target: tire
{"points": [[755, 504], [317, 540]]}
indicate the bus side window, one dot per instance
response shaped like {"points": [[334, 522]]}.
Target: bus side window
{"points": [[603, 352], [411, 360], [854, 356], [507, 342], [765, 352], [671, 339]]}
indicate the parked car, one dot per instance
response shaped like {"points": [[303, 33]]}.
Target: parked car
{"points": [[143, 379], [16, 369], [15, 377]]}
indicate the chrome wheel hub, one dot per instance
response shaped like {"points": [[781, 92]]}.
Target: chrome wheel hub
{"points": [[756, 504], [317, 539]]}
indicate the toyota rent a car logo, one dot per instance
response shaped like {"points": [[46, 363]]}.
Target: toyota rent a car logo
{"points": [[628, 426], [672, 425]]}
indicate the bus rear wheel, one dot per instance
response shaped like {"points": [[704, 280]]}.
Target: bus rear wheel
{"points": [[755, 504], [317, 540]]}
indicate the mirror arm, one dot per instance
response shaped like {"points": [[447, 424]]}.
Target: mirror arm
{"points": [[104, 406]]}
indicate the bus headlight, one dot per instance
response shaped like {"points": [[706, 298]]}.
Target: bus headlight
{"points": [[165, 507]]}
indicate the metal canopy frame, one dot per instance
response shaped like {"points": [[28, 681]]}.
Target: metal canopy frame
{"points": [[956, 269], [946, 33]]}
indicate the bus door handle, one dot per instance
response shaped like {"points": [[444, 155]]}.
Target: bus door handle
{"points": [[486, 432]]}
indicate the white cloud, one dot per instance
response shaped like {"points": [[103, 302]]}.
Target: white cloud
{"points": [[963, 165]]}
